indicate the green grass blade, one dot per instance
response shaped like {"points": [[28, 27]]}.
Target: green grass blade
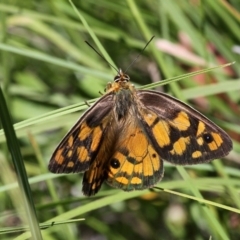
{"points": [[24, 186]]}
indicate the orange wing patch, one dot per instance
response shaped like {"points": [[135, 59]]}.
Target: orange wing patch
{"points": [[181, 122], [201, 128], [180, 146], [159, 128]]}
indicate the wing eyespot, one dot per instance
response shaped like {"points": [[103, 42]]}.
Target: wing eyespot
{"points": [[115, 163], [207, 137]]}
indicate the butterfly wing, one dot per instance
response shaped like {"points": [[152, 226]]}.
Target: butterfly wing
{"points": [[135, 164], [179, 133], [80, 146]]}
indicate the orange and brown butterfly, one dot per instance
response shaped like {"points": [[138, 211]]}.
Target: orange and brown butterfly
{"points": [[125, 136]]}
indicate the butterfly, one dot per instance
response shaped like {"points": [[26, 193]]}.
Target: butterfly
{"points": [[126, 135]]}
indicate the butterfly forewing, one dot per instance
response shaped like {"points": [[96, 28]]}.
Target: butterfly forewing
{"points": [[80, 146], [181, 134]]}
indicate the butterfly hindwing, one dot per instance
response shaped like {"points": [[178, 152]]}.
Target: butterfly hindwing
{"points": [[181, 134], [96, 174], [135, 164]]}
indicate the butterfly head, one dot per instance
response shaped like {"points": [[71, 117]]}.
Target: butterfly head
{"points": [[121, 77]]}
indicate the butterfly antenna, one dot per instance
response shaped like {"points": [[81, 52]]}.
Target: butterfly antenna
{"points": [[139, 54], [101, 55]]}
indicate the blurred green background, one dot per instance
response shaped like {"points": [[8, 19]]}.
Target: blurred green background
{"points": [[47, 72]]}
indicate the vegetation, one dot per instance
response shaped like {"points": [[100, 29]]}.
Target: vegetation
{"points": [[47, 72]]}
